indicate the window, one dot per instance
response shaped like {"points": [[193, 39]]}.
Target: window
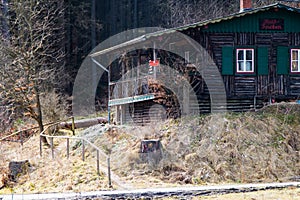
{"points": [[295, 60], [245, 60]]}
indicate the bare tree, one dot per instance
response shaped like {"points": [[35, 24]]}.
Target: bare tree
{"points": [[183, 12], [31, 56]]}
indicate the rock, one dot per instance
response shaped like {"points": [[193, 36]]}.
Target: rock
{"points": [[151, 151], [17, 168], [187, 179], [69, 187]]}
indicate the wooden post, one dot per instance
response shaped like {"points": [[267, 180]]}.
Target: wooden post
{"points": [[108, 169], [98, 166], [83, 150], [41, 147], [118, 114], [52, 148], [68, 148], [122, 114], [154, 59], [186, 99], [21, 137], [73, 125], [108, 108], [122, 86]]}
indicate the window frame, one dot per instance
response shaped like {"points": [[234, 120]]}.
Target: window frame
{"points": [[297, 60], [252, 71]]}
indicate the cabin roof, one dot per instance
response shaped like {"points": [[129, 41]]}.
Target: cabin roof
{"points": [[226, 24], [226, 18]]}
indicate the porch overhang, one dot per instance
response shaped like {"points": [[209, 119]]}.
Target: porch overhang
{"points": [[127, 100]]}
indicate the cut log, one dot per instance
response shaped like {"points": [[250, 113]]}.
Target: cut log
{"points": [[83, 123]]}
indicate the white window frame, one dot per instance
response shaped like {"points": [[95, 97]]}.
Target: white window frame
{"points": [[295, 63], [244, 61]]}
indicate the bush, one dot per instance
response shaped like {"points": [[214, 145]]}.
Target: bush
{"points": [[54, 106]]}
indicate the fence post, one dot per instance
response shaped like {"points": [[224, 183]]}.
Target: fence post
{"points": [[98, 166], [73, 125], [83, 150], [21, 138], [68, 148], [41, 147], [108, 168], [52, 149]]}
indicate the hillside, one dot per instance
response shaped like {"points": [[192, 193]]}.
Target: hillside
{"points": [[258, 146], [261, 146]]}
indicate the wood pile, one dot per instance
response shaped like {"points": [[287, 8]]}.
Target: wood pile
{"points": [[166, 98]]}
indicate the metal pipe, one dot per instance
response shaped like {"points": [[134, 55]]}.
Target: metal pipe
{"points": [[98, 165], [41, 147], [108, 107], [108, 74], [68, 148], [73, 125], [52, 148], [83, 150], [108, 168], [254, 101]]}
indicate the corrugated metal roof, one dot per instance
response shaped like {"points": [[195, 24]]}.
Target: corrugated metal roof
{"points": [[133, 99]]}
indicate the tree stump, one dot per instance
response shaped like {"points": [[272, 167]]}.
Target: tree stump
{"points": [[17, 168], [151, 151]]}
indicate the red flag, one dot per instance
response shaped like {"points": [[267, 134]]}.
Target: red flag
{"points": [[153, 63]]}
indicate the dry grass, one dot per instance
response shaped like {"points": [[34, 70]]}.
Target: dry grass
{"points": [[247, 147], [47, 175], [223, 148]]}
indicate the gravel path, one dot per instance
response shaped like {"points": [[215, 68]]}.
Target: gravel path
{"points": [[185, 192]]}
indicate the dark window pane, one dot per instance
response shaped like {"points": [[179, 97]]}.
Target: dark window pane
{"points": [[240, 55], [248, 54]]}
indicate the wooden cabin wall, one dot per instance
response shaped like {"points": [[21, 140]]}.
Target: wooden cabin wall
{"points": [[248, 86], [242, 90]]}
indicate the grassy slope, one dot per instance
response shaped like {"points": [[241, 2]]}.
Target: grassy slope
{"points": [[50, 175], [258, 146]]}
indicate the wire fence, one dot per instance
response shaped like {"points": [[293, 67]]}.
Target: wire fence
{"points": [[51, 138]]}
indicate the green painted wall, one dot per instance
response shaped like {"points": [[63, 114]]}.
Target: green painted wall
{"points": [[250, 22]]}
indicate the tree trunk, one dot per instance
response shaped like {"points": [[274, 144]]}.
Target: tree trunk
{"points": [[39, 115]]}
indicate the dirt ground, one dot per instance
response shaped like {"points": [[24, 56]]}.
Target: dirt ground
{"points": [[284, 194]]}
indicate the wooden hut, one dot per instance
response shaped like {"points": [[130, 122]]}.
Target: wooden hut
{"points": [[257, 54]]}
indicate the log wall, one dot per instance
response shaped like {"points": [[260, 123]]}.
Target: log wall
{"points": [[244, 92], [280, 86]]}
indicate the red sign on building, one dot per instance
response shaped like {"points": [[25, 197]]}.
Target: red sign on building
{"points": [[271, 24]]}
